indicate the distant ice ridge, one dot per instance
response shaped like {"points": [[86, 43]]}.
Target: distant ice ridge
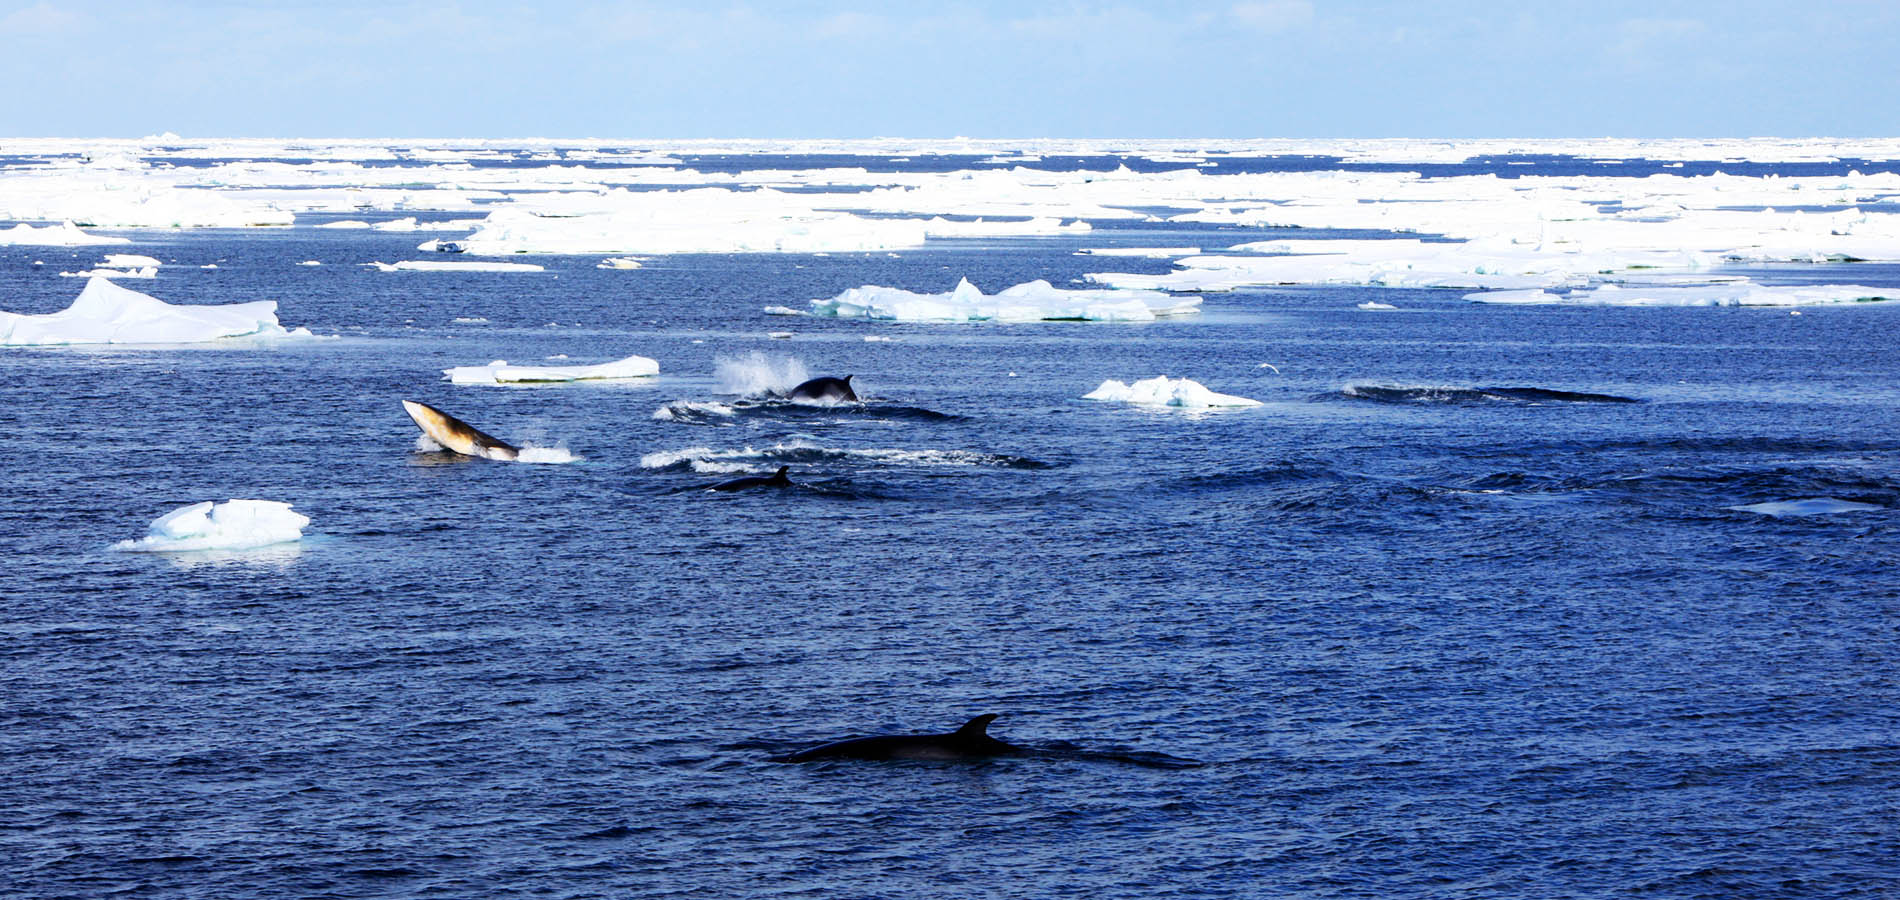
{"points": [[1731, 294], [105, 313], [231, 525], [1817, 506], [1165, 391], [1030, 302], [500, 372], [65, 234], [425, 265], [705, 220]]}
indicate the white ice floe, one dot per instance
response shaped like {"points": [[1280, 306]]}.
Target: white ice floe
{"points": [[1729, 294], [618, 262], [1817, 506], [129, 261], [500, 372], [1029, 302], [105, 313], [1374, 304], [65, 234], [1165, 391], [424, 265], [231, 525]]}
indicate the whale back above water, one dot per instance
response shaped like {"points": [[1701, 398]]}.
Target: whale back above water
{"points": [[972, 741], [831, 390], [781, 478], [456, 435]]}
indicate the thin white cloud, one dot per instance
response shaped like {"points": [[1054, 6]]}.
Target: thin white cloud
{"points": [[1272, 15]]}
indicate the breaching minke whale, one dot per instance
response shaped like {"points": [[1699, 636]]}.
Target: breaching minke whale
{"points": [[972, 741], [830, 390], [774, 480], [459, 436]]}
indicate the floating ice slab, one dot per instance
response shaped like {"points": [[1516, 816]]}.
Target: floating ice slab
{"points": [[1817, 506], [1743, 293], [231, 525], [105, 313], [423, 265], [1165, 391], [500, 372], [618, 262], [65, 234], [1029, 302]]}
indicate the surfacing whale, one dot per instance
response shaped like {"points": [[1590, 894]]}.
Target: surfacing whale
{"points": [[774, 480], [456, 435], [972, 741], [831, 390]]}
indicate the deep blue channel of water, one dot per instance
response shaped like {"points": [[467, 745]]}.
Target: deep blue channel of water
{"points": [[1351, 643]]}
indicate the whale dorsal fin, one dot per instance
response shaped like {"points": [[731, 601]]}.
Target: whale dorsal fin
{"points": [[847, 379], [781, 474], [977, 727]]}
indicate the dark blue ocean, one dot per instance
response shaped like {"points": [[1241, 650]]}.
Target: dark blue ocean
{"points": [[1395, 633]]}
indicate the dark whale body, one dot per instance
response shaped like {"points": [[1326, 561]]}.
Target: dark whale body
{"points": [[776, 479], [830, 390], [972, 741]]}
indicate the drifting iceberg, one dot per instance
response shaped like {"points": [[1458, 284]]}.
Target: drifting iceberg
{"points": [[65, 234], [1030, 302], [231, 525], [1165, 391], [500, 372], [105, 313]]}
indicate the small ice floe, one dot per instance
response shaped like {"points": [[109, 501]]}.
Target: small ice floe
{"points": [[231, 525], [618, 262], [346, 223], [1165, 391], [105, 313], [311, 262], [209, 266], [1374, 304], [421, 265], [65, 234], [1816, 506], [500, 372], [1029, 302], [878, 339], [782, 311], [469, 320], [779, 335]]}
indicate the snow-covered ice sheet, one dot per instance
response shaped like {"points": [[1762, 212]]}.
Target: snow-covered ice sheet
{"points": [[1029, 302], [500, 372], [1728, 294], [65, 234], [1165, 391], [105, 313], [231, 525]]}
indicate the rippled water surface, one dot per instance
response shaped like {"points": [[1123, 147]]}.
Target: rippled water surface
{"points": [[1463, 610]]}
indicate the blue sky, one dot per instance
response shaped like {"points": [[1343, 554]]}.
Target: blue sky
{"points": [[1254, 68]]}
